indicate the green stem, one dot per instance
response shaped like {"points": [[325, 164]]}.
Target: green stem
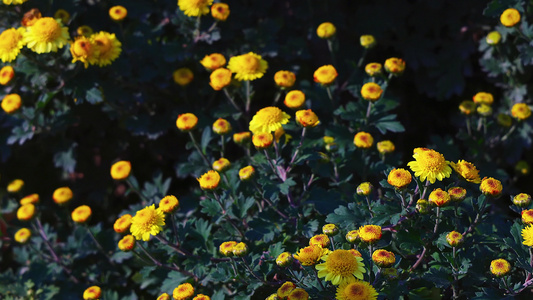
{"points": [[318, 278], [297, 150], [248, 97], [222, 145], [371, 271], [195, 143]]}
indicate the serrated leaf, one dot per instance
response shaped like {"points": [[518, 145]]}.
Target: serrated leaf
{"points": [[94, 95], [173, 279]]}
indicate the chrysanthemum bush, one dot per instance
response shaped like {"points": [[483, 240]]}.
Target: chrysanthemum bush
{"points": [[194, 150]]}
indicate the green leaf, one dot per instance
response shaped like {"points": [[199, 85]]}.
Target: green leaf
{"points": [[94, 95], [203, 228], [173, 279], [210, 207], [206, 138], [439, 277], [285, 186]]}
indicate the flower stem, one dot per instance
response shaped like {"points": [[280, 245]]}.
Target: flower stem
{"points": [[222, 142], [468, 126], [248, 97], [509, 133], [318, 278], [369, 206], [195, 143], [371, 271], [330, 95], [437, 221], [251, 271], [297, 150], [276, 98], [231, 100], [99, 246]]}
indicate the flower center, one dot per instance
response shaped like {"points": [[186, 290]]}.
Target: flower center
{"points": [[250, 63], [47, 29], [356, 290], [9, 39], [341, 262], [431, 161], [104, 44]]}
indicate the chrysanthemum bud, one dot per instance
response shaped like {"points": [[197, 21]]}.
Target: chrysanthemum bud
{"points": [[364, 189], [522, 200], [221, 165], [15, 185], [183, 76], [504, 120], [439, 198], [81, 214], [284, 259], [373, 69], [352, 236], [383, 258], [395, 65], [92, 293], [326, 30], [246, 173], [491, 187], [221, 126], [26, 212], [242, 138], [286, 289], [127, 243], [390, 273], [385, 147], [330, 229], [169, 204], [454, 238], [457, 194], [500, 267], [240, 250], [120, 170], [363, 140], [493, 38], [22, 235], [422, 206], [527, 216], [467, 107], [367, 41], [226, 248], [522, 167], [321, 240]]}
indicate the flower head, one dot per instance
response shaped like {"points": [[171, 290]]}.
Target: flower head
{"points": [[209, 181], [62, 195], [483, 98], [490, 186], [325, 75], [326, 30], [364, 189], [22, 235], [262, 140], [439, 197], [46, 35], [431, 165], [194, 8], [123, 223], [246, 173], [330, 229], [183, 291], [248, 66], [169, 204], [62, 15], [221, 126], [163, 296], [352, 236], [358, 290], [221, 165], [521, 111], [268, 119], [285, 289], [493, 38], [26, 212], [120, 170], [14, 2], [363, 140], [321, 240], [81, 214], [183, 76], [11, 103], [527, 216], [522, 200], [127, 243], [213, 61], [373, 69], [92, 293], [220, 11], [454, 238], [84, 30], [500, 267], [370, 233], [367, 41], [11, 41], [395, 65], [294, 99], [527, 235], [6, 74], [30, 17], [284, 79], [186, 122], [457, 193], [118, 13], [399, 178], [146, 222], [467, 107], [385, 147], [284, 259], [30, 199], [422, 206], [201, 297], [226, 248], [298, 294], [341, 266], [307, 118], [510, 17], [220, 78], [371, 91], [240, 250], [15, 185], [242, 138], [383, 258], [310, 255], [484, 110], [83, 49], [108, 48], [467, 171]]}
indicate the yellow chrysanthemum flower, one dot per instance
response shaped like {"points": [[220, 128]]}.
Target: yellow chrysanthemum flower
{"points": [[510, 17], [371, 91], [163, 296], [358, 290], [186, 122], [246, 173], [285, 289], [262, 140], [30, 199], [13, 2], [123, 223], [81, 214], [321, 240], [383, 258], [46, 35], [146, 222], [11, 41], [83, 49], [307, 118], [248, 66], [26, 212], [118, 13], [11, 103], [439, 197], [370, 233], [527, 216], [373, 69], [310, 255], [298, 294], [491, 186], [325, 75], [521, 111], [209, 181], [127, 243], [169, 204], [527, 235], [431, 165], [183, 76], [500, 267], [220, 78], [326, 30], [454, 238], [92, 293], [467, 171], [108, 48], [6, 74], [399, 178], [341, 266], [268, 119], [62, 195], [213, 61], [284, 79], [183, 291], [194, 8], [120, 170], [22, 235], [294, 99], [15, 185], [220, 11]]}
